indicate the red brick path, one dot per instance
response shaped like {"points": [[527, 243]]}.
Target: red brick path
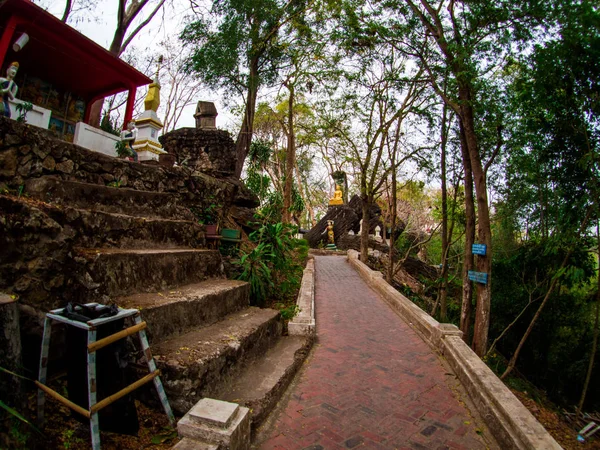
{"points": [[371, 382]]}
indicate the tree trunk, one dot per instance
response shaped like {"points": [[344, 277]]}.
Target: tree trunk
{"points": [[364, 236], [444, 275], [67, 12], [307, 203], [393, 214], [290, 158], [244, 139], [467, 287], [484, 263], [10, 351]]}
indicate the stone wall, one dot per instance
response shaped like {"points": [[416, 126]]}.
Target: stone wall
{"points": [[37, 260], [29, 152], [202, 150]]}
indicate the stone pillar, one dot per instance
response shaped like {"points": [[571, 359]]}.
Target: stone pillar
{"points": [[206, 116]]}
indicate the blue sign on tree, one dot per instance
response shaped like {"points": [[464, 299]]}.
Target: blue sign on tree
{"points": [[478, 277], [479, 249]]}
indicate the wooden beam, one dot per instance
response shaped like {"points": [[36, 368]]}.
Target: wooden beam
{"points": [[63, 400], [113, 398], [115, 337]]}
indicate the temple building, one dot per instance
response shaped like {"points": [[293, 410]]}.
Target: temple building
{"points": [[62, 73]]}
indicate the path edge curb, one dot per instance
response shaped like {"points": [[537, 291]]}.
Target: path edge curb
{"points": [[512, 425], [304, 324]]}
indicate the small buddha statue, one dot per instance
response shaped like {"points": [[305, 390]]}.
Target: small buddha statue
{"points": [[8, 88], [337, 196]]}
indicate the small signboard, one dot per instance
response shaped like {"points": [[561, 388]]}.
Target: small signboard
{"points": [[479, 249], [478, 277]]}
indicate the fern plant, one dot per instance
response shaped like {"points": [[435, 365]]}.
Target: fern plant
{"points": [[256, 271]]}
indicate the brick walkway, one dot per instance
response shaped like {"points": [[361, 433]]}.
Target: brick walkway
{"points": [[371, 381]]}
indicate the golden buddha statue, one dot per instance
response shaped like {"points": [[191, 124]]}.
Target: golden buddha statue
{"points": [[337, 196]]}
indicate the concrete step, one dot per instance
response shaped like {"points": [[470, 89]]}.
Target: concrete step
{"points": [[191, 444], [99, 228], [96, 197], [127, 271], [198, 363], [265, 379], [174, 311]]}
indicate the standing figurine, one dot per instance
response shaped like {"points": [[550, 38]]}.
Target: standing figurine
{"points": [[330, 236], [130, 136], [8, 88]]}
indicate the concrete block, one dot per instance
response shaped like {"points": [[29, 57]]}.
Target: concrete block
{"points": [[214, 412], [218, 423], [443, 330]]}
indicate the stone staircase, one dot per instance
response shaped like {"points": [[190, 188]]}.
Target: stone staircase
{"points": [[145, 251], [72, 237]]}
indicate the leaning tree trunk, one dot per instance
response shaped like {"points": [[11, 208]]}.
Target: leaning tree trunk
{"points": [[244, 139], [10, 351]]}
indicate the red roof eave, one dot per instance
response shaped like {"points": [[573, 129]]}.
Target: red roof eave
{"points": [[67, 57]]}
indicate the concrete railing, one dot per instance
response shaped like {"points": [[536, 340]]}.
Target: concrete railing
{"points": [[510, 422], [95, 139], [304, 322], [38, 116]]}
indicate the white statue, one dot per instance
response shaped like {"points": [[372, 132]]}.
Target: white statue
{"points": [[8, 88], [360, 231], [129, 136], [378, 233]]}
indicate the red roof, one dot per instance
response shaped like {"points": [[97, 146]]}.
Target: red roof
{"points": [[64, 57]]}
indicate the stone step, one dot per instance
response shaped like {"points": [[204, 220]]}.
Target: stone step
{"points": [[99, 228], [198, 363], [122, 272], [96, 197], [174, 311], [265, 379]]}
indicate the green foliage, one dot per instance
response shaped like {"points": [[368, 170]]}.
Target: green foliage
{"points": [[22, 109], [110, 126], [68, 439], [209, 214], [256, 271], [557, 350], [287, 311], [122, 149], [115, 184], [274, 267], [166, 434]]}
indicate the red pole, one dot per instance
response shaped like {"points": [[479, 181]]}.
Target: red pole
{"points": [[129, 107], [7, 36]]}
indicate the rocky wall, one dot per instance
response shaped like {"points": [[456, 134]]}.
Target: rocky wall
{"points": [[30, 152], [209, 151]]}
